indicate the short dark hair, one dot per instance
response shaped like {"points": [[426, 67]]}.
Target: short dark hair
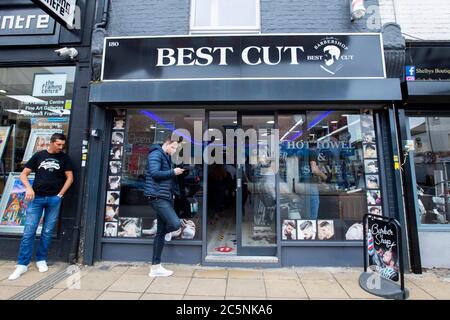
{"points": [[57, 136], [169, 140]]}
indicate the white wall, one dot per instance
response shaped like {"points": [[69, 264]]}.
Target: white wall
{"points": [[434, 249], [422, 19]]}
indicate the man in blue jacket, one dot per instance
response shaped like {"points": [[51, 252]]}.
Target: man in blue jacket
{"points": [[160, 188]]}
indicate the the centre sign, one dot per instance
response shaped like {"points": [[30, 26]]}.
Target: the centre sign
{"points": [[293, 56]]}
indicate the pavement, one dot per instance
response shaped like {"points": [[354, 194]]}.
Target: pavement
{"points": [[130, 281]]}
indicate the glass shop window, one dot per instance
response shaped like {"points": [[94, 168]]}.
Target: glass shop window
{"points": [[34, 104], [329, 174], [431, 140], [225, 16], [127, 212]]}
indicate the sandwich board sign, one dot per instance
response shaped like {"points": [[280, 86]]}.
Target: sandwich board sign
{"points": [[383, 263]]}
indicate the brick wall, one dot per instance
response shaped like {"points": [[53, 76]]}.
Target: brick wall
{"points": [[148, 17], [312, 16], [419, 19]]}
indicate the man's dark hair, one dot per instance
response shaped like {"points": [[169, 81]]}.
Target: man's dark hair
{"points": [[169, 140], [57, 136]]}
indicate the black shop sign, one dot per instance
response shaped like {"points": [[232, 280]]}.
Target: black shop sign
{"points": [[305, 56], [427, 63]]}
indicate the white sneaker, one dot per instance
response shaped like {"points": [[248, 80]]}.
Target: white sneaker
{"points": [[168, 236], [42, 266], [159, 271], [20, 269]]}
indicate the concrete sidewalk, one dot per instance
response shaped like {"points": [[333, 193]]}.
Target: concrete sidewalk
{"points": [[123, 281]]}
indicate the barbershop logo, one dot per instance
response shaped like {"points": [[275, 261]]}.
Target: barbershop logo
{"points": [[332, 53]]}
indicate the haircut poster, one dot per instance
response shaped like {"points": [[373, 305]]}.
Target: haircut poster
{"points": [[382, 248]]}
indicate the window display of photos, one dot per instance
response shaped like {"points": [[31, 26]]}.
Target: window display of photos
{"points": [[308, 230], [331, 174], [116, 226], [371, 169]]}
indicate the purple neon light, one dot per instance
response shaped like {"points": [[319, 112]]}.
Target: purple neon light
{"points": [[312, 124]]}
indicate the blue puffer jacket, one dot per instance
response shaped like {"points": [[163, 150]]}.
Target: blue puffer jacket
{"points": [[160, 180]]}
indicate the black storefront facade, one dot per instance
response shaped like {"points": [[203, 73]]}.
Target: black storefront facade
{"points": [[326, 99], [424, 130], [41, 93]]}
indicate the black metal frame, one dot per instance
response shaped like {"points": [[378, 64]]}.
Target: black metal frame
{"points": [[398, 228]]}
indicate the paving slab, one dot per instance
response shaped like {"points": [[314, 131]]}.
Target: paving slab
{"points": [[207, 287], [186, 297], [246, 288], [138, 270], [211, 273], [169, 285], [78, 295], [417, 293], [28, 278], [153, 296], [50, 294], [352, 288], [244, 298], [326, 289], [285, 289], [131, 283], [280, 274], [184, 271], [119, 296], [97, 280], [245, 274], [8, 292]]}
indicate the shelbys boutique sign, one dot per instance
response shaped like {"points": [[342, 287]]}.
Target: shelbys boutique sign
{"points": [[339, 56], [427, 63]]}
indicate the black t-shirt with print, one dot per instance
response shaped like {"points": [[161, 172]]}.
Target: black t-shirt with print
{"points": [[50, 172]]}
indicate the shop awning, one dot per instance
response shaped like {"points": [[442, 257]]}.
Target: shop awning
{"points": [[264, 90], [428, 91]]}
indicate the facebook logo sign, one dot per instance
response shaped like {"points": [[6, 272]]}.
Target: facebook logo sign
{"points": [[410, 73]]}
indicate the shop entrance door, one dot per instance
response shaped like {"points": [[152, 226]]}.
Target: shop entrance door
{"points": [[241, 191], [256, 187]]}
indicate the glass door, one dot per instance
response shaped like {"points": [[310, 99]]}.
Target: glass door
{"points": [[256, 185]]}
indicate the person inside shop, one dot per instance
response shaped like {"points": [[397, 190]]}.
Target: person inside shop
{"points": [[53, 177], [217, 184], [161, 187], [317, 177]]}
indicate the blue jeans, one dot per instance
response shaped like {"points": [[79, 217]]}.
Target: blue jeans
{"points": [[314, 201], [167, 221], [50, 205]]}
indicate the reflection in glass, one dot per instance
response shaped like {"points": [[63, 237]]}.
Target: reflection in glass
{"points": [[322, 173], [432, 164]]}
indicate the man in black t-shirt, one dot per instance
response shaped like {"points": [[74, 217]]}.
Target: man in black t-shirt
{"points": [[53, 177]]}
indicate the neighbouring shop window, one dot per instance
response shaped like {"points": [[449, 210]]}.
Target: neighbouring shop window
{"points": [[127, 213], [34, 104], [431, 140], [225, 15], [329, 174]]}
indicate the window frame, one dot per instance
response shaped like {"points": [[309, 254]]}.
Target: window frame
{"points": [[256, 29], [422, 227]]}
